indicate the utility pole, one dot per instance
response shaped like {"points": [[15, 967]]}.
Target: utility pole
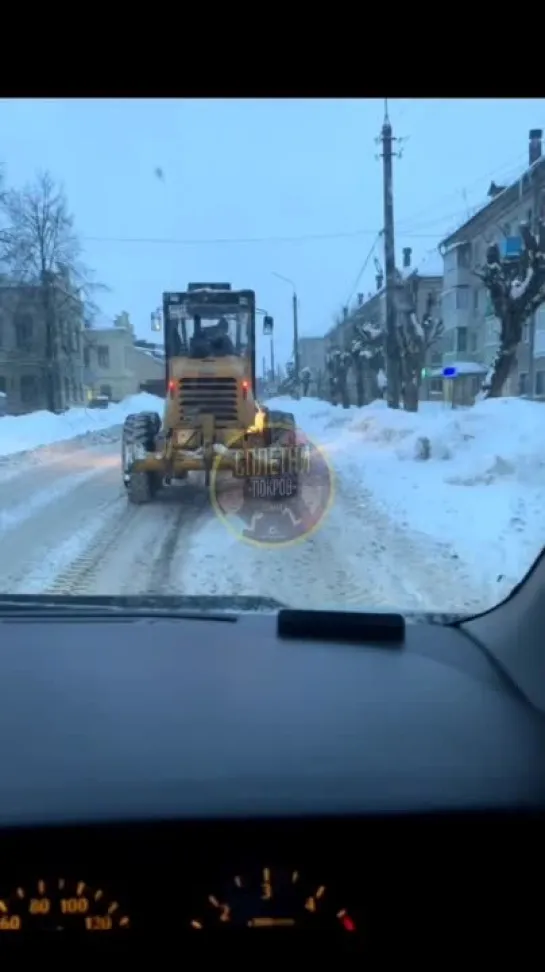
{"points": [[294, 305], [272, 358], [393, 361], [295, 345]]}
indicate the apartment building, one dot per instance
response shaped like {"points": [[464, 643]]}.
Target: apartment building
{"points": [[114, 364], [26, 361], [471, 330], [371, 309]]}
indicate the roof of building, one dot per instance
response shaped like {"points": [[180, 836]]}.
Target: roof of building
{"points": [[158, 354], [501, 201]]}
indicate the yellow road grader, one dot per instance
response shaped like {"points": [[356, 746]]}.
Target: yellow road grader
{"points": [[211, 416]]}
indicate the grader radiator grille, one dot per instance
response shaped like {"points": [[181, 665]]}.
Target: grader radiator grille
{"points": [[214, 396]]}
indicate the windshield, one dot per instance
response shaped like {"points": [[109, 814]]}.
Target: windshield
{"points": [[316, 378], [215, 335]]}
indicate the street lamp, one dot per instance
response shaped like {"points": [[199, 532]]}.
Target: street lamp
{"points": [[295, 329], [268, 327]]}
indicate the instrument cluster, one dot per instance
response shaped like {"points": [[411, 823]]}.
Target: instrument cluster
{"points": [[265, 898], [365, 888]]}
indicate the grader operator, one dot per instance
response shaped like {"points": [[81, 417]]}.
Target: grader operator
{"points": [[210, 408]]}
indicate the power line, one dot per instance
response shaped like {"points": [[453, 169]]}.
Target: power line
{"points": [[403, 226], [173, 241], [362, 270], [501, 168], [229, 241]]}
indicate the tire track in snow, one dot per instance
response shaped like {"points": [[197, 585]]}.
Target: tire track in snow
{"points": [[62, 568], [88, 555], [155, 549], [125, 550]]}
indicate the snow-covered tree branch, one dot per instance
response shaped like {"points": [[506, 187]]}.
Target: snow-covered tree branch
{"points": [[416, 336], [338, 363], [367, 352], [517, 289], [433, 327]]}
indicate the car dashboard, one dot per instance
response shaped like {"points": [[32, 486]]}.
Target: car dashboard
{"points": [[172, 784]]}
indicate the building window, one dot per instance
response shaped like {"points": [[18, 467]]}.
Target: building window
{"points": [[523, 383], [461, 339], [540, 319], [86, 356], [436, 386], [473, 341], [103, 356], [3, 384], [1, 330], [540, 383], [464, 256], [23, 331], [106, 390], [462, 298], [29, 389]]}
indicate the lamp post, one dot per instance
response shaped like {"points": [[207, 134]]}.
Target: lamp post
{"points": [[295, 305]]}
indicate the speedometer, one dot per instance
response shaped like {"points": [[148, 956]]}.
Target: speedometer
{"points": [[274, 899], [61, 905]]}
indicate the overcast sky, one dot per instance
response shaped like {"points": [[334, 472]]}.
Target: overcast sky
{"points": [[293, 186]]}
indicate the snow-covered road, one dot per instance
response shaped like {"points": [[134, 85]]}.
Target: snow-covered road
{"points": [[66, 527]]}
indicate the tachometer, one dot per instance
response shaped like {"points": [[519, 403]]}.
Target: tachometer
{"points": [[61, 905], [274, 899]]}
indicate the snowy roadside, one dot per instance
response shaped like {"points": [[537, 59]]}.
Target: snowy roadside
{"points": [[21, 434], [481, 493]]}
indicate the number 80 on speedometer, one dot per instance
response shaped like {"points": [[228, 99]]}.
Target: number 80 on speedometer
{"points": [[61, 905]]}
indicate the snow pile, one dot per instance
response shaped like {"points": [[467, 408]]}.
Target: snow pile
{"points": [[472, 478], [20, 433]]}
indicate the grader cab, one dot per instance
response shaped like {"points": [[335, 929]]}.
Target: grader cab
{"points": [[211, 413]]}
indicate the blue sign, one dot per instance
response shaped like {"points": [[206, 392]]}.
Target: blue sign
{"points": [[512, 247], [449, 372]]}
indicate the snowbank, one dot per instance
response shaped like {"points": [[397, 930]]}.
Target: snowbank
{"points": [[472, 478], [19, 433]]}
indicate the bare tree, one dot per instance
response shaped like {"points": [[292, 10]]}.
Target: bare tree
{"points": [[40, 248], [367, 350], [517, 289], [416, 337]]}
